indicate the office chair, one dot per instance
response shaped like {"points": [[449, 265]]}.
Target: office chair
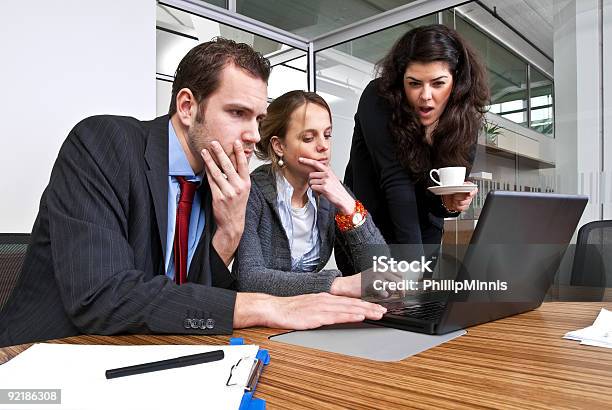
{"points": [[13, 248], [593, 258]]}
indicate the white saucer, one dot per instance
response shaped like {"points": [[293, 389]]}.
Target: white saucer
{"points": [[452, 189]]}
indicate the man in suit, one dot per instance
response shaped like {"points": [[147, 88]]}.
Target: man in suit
{"points": [[141, 219]]}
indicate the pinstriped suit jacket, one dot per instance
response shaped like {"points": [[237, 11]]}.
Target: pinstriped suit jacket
{"points": [[95, 263]]}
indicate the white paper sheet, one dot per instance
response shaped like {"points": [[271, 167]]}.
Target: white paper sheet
{"points": [[598, 334], [79, 371]]}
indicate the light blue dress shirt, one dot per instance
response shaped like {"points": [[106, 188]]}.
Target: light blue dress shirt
{"points": [[179, 166], [309, 261]]}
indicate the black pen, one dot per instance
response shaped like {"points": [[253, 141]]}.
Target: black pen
{"points": [[182, 361]]}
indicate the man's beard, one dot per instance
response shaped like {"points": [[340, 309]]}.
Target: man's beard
{"points": [[196, 138], [199, 137]]}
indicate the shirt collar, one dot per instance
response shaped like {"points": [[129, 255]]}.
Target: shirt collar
{"points": [[285, 191], [178, 165]]}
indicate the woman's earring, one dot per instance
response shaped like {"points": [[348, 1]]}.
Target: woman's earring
{"points": [[281, 162]]}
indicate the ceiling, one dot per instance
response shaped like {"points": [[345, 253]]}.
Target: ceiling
{"points": [[532, 18], [311, 18]]}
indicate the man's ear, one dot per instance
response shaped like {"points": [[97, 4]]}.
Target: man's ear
{"points": [[186, 106], [277, 146]]}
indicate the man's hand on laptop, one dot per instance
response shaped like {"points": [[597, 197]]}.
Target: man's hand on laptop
{"points": [[380, 286], [362, 285], [301, 312]]}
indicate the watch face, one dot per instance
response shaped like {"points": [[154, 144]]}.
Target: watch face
{"points": [[357, 218]]}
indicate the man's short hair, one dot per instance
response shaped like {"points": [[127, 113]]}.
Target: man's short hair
{"points": [[200, 69]]}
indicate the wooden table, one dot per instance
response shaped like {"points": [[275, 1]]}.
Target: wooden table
{"points": [[518, 362]]}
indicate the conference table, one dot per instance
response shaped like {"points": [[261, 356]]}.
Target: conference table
{"points": [[517, 362]]}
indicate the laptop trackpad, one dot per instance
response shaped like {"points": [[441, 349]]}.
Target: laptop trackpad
{"points": [[366, 341]]}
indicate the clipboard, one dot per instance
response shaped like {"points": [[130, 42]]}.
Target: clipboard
{"points": [[78, 371], [262, 359]]}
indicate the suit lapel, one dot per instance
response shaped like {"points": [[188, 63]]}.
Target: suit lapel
{"points": [[156, 156]]}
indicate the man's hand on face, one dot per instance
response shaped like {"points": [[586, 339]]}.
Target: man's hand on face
{"points": [[301, 312], [230, 186]]}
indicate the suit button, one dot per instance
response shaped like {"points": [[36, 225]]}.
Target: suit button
{"points": [[194, 323], [210, 323], [202, 324], [187, 324]]}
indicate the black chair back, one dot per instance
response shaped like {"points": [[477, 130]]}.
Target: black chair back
{"points": [[13, 248], [593, 259]]}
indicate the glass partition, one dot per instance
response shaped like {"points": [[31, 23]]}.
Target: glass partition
{"points": [[514, 150], [541, 97], [542, 133], [179, 31], [218, 3], [344, 71], [311, 18], [507, 73]]}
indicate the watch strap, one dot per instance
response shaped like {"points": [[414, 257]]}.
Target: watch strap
{"points": [[346, 222]]}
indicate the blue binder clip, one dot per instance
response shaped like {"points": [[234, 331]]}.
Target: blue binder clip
{"points": [[249, 402]]}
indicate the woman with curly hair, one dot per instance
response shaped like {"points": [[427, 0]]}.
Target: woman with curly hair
{"points": [[424, 111]]}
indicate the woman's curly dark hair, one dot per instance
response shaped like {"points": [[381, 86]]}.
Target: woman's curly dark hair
{"points": [[458, 126]]}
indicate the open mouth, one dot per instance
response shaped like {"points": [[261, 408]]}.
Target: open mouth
{"points": [[425, 110]]}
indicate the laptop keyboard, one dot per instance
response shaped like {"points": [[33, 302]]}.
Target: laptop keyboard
{"points": [[424, 311]]}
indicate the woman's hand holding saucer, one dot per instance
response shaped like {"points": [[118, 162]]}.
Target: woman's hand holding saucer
{"points": [[459, 202]]}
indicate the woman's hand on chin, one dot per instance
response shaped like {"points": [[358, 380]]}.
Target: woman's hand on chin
{"points": [[324, 182]]}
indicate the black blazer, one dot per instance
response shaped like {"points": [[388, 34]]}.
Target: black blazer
{"points": [[405, 212], [95, 263]]}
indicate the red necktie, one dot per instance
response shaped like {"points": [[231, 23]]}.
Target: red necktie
{"points": [[181, 230]]}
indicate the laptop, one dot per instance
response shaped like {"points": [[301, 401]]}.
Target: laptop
{"points": [[519, 241]]}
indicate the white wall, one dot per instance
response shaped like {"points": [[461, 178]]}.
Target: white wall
{"points": [[341, 79], [61, 62]]}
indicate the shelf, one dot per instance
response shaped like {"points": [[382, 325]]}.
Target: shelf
{"points": [[525, 159]]}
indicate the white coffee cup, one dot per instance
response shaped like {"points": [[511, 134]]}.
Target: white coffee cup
{"points": [[449, 176]]}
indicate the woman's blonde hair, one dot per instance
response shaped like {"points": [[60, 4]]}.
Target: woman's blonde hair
{"points": [[277, 121]]}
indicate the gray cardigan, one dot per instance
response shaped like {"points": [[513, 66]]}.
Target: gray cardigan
{"points": [[263, 258]]}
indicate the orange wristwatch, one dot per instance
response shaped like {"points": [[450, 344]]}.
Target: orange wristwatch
{"points": [[357, 218]]}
